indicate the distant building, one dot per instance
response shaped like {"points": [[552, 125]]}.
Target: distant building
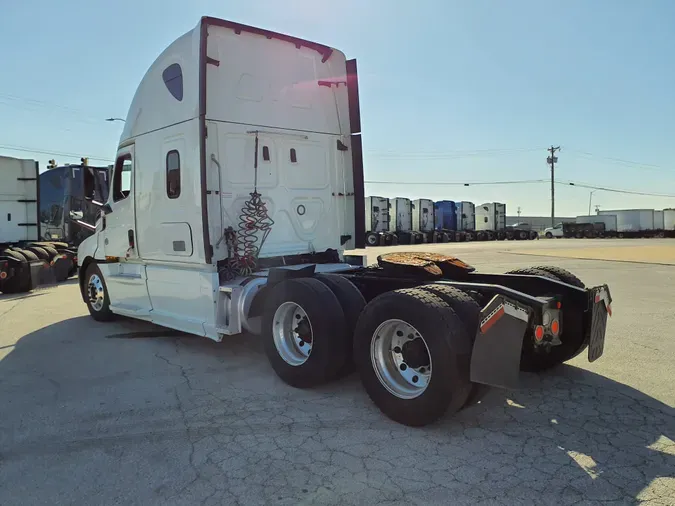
{"points": [[538, 223]]}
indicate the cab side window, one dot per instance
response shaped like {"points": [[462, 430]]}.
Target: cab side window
{"points": [[173, 174], [122, 178]]}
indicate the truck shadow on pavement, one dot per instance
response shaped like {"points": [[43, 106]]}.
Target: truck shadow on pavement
{"points": [[211, 422]]}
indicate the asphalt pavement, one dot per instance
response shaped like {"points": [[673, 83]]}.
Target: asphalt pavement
{"points": [[129, 413]]}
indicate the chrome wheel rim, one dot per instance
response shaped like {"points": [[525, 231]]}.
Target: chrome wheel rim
{"points": [[96, 292], [292, 333], [401, 359]]}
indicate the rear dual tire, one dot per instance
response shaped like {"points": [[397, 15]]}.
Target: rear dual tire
{"points": [[573, 339], [413, 353], [307, 328]]}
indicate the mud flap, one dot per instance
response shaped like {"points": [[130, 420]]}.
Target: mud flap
{"points": [[496, 353], [601, 301]]}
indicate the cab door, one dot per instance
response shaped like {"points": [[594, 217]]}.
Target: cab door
{"points": [[124, 271]]}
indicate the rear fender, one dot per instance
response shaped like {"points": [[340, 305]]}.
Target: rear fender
{"points": [[495, 360]]}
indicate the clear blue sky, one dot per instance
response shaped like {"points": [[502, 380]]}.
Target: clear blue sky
{"points": [[450, 91]]}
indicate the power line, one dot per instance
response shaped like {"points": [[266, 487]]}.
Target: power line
{"points": [[614, 159], [446, 155], [614, 190], [449, 183], [55, 153]]}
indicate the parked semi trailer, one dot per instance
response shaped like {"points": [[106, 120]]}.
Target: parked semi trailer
{"points": [[423, 220], [466, 221], [669, 222], [445, 220], [659, 223], [402, 216], [177, 247], [27, 258], [633, 222], [377, 222], [491, 221]]}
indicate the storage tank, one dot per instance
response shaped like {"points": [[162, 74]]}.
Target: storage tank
{"points": [[490, 216], [669, 219], [401, 210], [445, 215], [423, 215], [608, 219], [466, 216], [377, 214], [632, 220], [659, 220]]}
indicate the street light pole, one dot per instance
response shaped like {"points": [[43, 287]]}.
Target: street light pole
{"points": [[590, 199]]}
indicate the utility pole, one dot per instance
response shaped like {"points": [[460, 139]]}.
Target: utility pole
{"points": [[551, 160], [518, 212]]}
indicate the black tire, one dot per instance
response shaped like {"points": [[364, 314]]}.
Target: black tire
{"points": [[40, 252], [16, 253], [533, 360], [352, 303], [468, 310], [328, 327], [448, 345], [562, 275], [104, 314], [30, 256], [52, 251], [20, 282], [372, 239], [549, 235]]}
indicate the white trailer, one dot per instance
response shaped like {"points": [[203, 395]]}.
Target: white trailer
{"points": [[18, 200], [490, 219], [377, 221], [401, 212], [237, 187], [659, 222], [466, 220], [632, 222], [423, 218], [669, 222], [25, 261]]}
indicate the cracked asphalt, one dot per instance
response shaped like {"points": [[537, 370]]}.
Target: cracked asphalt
{"points": [[128, 413]]}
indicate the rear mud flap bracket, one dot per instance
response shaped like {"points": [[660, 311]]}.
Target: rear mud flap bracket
{"points": [[496, 353]]}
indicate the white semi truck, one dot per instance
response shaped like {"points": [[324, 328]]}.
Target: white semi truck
{"points": [[31, 208], [237, 188]]}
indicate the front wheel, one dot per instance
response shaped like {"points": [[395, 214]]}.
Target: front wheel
{"points": [[412, 352], [96, 295], [549, 235]]}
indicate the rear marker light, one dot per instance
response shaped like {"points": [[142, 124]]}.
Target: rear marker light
{"points": [[558, 305], [555, 327], [3, 275], [539, 332]]}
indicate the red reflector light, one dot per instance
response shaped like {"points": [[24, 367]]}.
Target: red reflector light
{"points": [[558, 305], [3, 275], [555, 327], [539, 332]]}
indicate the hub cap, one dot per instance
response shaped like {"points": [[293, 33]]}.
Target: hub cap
{"points": [[401, 359], [292, 333], [96, 292]]}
